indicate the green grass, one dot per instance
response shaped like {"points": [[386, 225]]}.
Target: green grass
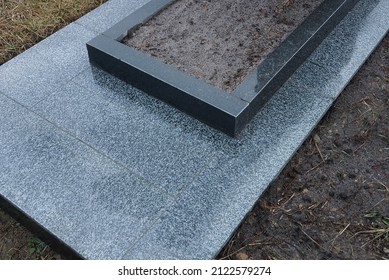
{"points": [[23, 23]]}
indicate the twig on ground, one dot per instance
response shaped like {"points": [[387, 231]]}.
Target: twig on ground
{"points": [[313, 168], [310, 238], [321, 155], [289, 199], [378, 203], [360, 147], [3, 236], [339, 234], [379, 233], [382, 184], [235, 252]]}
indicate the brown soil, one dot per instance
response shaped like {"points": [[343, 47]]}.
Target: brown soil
{"points": [[332, 199], [219, 42], [17, 243]]}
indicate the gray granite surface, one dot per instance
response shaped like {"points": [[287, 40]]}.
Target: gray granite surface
{"points": [[116, 174]]}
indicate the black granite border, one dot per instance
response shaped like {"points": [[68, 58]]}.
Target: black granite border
{"points": [[229, 113]]}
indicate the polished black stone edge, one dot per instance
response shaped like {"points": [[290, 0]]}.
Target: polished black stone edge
{"points": [[229, 113], [66, 252]]}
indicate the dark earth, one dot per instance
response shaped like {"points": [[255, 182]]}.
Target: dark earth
{"points": [[330, 202], [219, 42]]}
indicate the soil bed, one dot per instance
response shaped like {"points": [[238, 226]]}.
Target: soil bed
{"points": [[219, 42]]}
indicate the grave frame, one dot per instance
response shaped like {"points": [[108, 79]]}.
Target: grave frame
{"points": [[227, 112]]}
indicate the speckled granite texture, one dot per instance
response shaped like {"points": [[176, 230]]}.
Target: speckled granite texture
{"points": [[116, 174]]}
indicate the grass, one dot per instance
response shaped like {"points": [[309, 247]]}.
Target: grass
{"points": [[23, 23], [380, 229], [35, 245]]}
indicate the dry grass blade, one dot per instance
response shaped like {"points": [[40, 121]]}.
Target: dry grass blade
{"points": [[379, 233], [321, 155], [339, 234], [235, 252], [3, 10], [315, 167], [310, 238], [23, 23], [1, 238], [373, 231], [382, 184]]}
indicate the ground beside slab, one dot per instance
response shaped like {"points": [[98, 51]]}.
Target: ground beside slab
{"points": [[23, 23], [332, 200]]}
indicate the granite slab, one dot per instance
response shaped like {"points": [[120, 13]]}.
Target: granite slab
{"points": [[67, 187], [112, 173], [66, 48], [30, 77], [108, 14]]}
